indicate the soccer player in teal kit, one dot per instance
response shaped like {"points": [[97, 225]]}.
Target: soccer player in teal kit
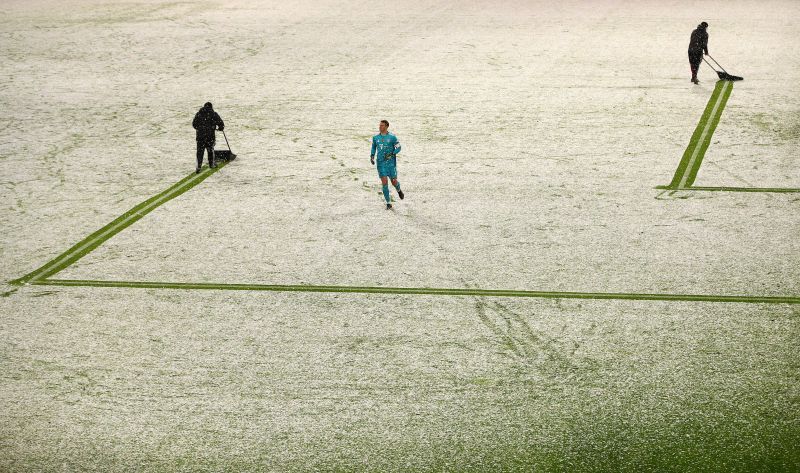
{"points": [[386, 146]]}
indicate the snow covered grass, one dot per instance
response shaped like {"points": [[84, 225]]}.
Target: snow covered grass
{"points": [[534, 136]]}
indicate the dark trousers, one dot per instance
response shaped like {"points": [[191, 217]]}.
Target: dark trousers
{"points": [[205, 146], [695, 58]]}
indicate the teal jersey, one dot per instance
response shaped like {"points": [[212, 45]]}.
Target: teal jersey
{"points": [[386, 146]]}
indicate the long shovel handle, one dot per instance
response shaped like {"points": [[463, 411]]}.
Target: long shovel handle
{"points": [[712, 67], [718, 65], [226, 141]]}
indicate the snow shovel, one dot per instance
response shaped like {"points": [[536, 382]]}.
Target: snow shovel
{"points": [[225, 154], [723, 74]]}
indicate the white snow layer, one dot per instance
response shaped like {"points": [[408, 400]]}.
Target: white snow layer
{"points": [[533, 136]]}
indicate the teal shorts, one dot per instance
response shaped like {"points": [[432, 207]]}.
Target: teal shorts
{"points": [[387, 168]]}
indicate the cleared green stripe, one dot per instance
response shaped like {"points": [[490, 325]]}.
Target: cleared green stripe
{"points": [[787, 190], [687, 153], [694, 142], [705, 141], [122, 222], [426, 291]]}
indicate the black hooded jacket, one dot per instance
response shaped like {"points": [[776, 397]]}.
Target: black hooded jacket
{"points": [[206, 120], [699, 41]]}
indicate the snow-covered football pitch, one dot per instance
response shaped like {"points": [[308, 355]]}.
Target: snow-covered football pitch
{"points": [[596, 266]]}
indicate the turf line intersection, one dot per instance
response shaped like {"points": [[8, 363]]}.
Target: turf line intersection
{"points": [[85, 246], [692, 159]]}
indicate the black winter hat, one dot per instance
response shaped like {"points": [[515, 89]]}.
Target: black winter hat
{"points": [[703, 25]]}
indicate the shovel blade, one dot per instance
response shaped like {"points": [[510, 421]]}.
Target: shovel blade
{"points": [[728, 77], [225, 154]]}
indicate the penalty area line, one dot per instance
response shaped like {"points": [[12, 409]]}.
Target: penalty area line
{"points": [[423, 291], [778, 190], [85, 246]]}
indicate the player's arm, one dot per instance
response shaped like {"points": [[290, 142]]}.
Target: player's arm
{"points": [[395, 149], [372, 151], [397, 146]]}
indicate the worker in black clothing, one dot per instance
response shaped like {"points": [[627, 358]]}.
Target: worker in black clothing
{"points": [[698, 44], [206, 120]]}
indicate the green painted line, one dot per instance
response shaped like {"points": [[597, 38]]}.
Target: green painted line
{"points": [[82, 248], [423, 291], [692, 158], [786, 190], [705, 139]]}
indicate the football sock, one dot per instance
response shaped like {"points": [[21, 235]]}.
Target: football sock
{"points": [[386, 192]]}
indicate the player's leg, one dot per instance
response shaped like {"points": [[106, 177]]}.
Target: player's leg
{"points": [[391, 173], [396, 185], [385, 188]]}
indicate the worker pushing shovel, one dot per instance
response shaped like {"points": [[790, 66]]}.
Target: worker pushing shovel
{"points": [[206, 121], [698, 47]]}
